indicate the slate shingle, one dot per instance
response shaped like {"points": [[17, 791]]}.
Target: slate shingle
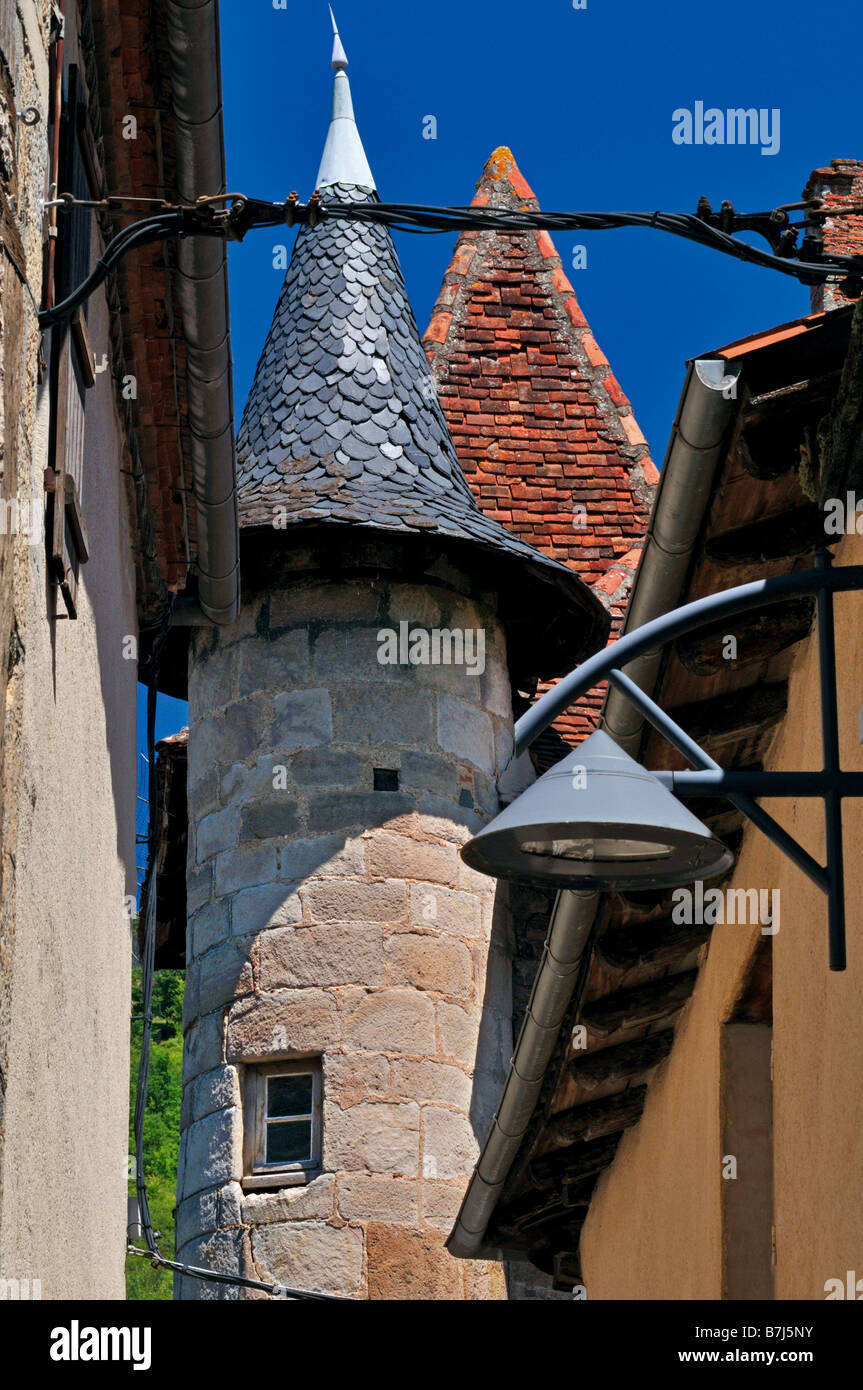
{"points": [[343, 423]]}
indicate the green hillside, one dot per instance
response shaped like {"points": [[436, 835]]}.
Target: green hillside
{"points": [[162, 1123]]}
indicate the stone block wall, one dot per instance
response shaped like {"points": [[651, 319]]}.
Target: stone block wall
{"points": [[330, 919]]}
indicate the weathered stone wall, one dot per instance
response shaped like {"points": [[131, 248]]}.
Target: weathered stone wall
{"points": [[328, 918], [68, 788]]}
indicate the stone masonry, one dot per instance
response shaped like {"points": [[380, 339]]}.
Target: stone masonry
{"points": [[328, 919]]}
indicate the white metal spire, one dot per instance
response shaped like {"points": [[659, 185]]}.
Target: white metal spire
{"points": [[344, 159]]}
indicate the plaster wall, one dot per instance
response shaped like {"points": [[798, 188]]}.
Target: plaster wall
{"points": [[71, 728], [655, 1229]]}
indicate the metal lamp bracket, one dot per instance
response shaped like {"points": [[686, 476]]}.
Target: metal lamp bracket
{"points": [[831, 784]]}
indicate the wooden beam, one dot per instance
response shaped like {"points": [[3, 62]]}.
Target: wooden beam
{"points": [[772, 426], [572, 1164], [735, 714], [555, 1244], [640, 1005], [622, 1063], [596, 1119], [791, 533], [650, 943], [567, 1271], [532, 1206], [506, 1231], [553, 1216], [559, 1240], [839, 464], [758, 635], [521, 1218]]}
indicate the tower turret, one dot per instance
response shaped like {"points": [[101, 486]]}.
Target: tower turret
{"points": [[347, 1018]]}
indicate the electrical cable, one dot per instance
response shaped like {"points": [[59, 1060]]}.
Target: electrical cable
{"points": [[408, 218], [231, 216], [165, 226]]}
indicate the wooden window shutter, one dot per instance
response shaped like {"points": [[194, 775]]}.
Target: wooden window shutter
{"points": [[73, 357]]}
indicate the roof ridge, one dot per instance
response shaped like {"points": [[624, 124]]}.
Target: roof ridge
{"points": [[501, 182], [501, 170]]}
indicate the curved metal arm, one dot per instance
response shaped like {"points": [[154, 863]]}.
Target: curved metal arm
{"points": [[671, 625], [831, 784]]}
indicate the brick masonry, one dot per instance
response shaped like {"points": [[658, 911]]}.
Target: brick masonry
{"points": [[543, 429], [839, 185], [327, 918]]}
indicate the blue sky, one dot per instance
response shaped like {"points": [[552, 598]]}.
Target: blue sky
{"points": [[584, 98]]}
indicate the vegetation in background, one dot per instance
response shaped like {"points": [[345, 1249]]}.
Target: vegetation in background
{"points": [[161, 1123]]}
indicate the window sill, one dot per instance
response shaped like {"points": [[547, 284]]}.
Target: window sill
{"points": [[257, 1182]]}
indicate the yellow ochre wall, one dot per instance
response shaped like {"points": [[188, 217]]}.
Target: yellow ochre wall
{"points": [[654, 1230]]}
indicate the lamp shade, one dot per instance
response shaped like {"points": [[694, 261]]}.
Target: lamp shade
{"points": [[597, 820]]}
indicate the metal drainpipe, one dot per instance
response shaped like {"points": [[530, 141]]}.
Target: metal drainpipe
{"points": [[706, 407], [202, 294]]}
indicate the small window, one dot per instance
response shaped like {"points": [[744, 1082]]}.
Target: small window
{"points": [[386, 779], [283, 1123]]}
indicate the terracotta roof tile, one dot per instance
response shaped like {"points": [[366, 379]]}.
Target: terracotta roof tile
{"points": [[543, 430]]}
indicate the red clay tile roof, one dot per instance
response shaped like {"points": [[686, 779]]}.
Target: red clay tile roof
{"points": [[543, 430]]}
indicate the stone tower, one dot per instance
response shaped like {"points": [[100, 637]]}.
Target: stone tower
{"points": [[348, 994]]}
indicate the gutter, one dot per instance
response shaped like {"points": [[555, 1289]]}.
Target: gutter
{"points": [[695, 450], [201, 283]]}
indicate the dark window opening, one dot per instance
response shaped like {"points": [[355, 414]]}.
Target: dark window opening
{"points": [[386, 779]]}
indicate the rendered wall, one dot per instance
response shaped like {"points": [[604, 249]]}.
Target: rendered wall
{"points": [[654, 1230], [70, 726], [330, 919]]}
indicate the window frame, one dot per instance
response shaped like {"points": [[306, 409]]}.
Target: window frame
{"points": [[257, 1172]]}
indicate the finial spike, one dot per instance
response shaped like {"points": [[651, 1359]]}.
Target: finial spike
{"points": [[344, 159], [340, 58]]}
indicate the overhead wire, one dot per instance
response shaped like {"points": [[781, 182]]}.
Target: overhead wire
{"points": [[232, 216]]}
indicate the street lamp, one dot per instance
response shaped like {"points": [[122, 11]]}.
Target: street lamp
{"points": [[598, 820]]}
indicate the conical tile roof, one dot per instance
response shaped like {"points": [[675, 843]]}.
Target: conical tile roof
{"points": [[544, 432], [343, 424]]}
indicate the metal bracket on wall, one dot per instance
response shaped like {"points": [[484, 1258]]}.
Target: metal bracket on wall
{"points": [[831, 784]]}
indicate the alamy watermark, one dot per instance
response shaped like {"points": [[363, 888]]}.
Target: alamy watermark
{"points": [[77, 1343], [849, 1288], [734, 126], [17, 1289], [843, 516], [731, 906], [435, 646]]}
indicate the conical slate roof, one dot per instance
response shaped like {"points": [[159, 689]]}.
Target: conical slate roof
{"points": [[343, 423]]}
